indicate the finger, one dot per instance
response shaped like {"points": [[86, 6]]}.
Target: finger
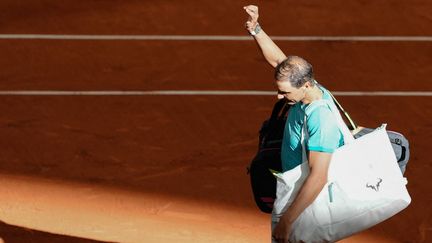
{"points": [[251, 11], [251, 20], [251, 24], [252, 15], [250, 6], [253, 7]]}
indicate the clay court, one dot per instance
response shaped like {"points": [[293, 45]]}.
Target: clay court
{"points": [[119, 166]]}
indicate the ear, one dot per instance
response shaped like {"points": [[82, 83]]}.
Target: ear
{"points": [[307, 85]]}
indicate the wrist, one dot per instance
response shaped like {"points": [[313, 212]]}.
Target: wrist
{"points": [[256, 30], [287, 218]]}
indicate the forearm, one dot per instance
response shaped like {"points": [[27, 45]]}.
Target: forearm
{"points": [[271, 52], [311, 188]]}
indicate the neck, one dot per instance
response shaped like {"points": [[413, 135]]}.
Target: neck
{"points": [[314, 93]]}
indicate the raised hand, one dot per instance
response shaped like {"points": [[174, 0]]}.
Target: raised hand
{"points": [[252, 21]]}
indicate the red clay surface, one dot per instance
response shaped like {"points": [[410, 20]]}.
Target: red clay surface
{"points": [[198, 65], [162, 169]]}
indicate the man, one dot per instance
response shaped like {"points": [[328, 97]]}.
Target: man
{"points": [[295, 82]]}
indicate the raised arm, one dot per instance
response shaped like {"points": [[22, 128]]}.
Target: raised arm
{"points": [[272, 53]]}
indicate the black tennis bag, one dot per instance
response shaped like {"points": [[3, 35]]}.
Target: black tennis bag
{"points": [[268, 156]]}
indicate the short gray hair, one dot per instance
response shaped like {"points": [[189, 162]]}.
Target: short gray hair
{"points": [[296, 70]]}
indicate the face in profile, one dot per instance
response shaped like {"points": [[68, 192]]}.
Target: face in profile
{"points": [[292, 94]]}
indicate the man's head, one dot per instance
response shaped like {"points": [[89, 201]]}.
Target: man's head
{"points": [[293, 77]]}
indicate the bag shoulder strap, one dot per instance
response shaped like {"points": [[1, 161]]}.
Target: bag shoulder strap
{"points": [[347, 136], [352, 125]]}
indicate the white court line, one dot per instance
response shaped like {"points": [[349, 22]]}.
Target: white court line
{"points": [[198, 92], [212, 37]]}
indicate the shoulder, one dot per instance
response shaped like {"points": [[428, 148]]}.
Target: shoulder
{"points": [[317, 107], [319, 116], [322, 127]]}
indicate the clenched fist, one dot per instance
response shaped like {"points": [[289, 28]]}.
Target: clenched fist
{"points": [[252, 21]]}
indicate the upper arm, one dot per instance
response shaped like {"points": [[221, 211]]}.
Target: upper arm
{"points": [[319, 162], [272, 53], [280, 59]]}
